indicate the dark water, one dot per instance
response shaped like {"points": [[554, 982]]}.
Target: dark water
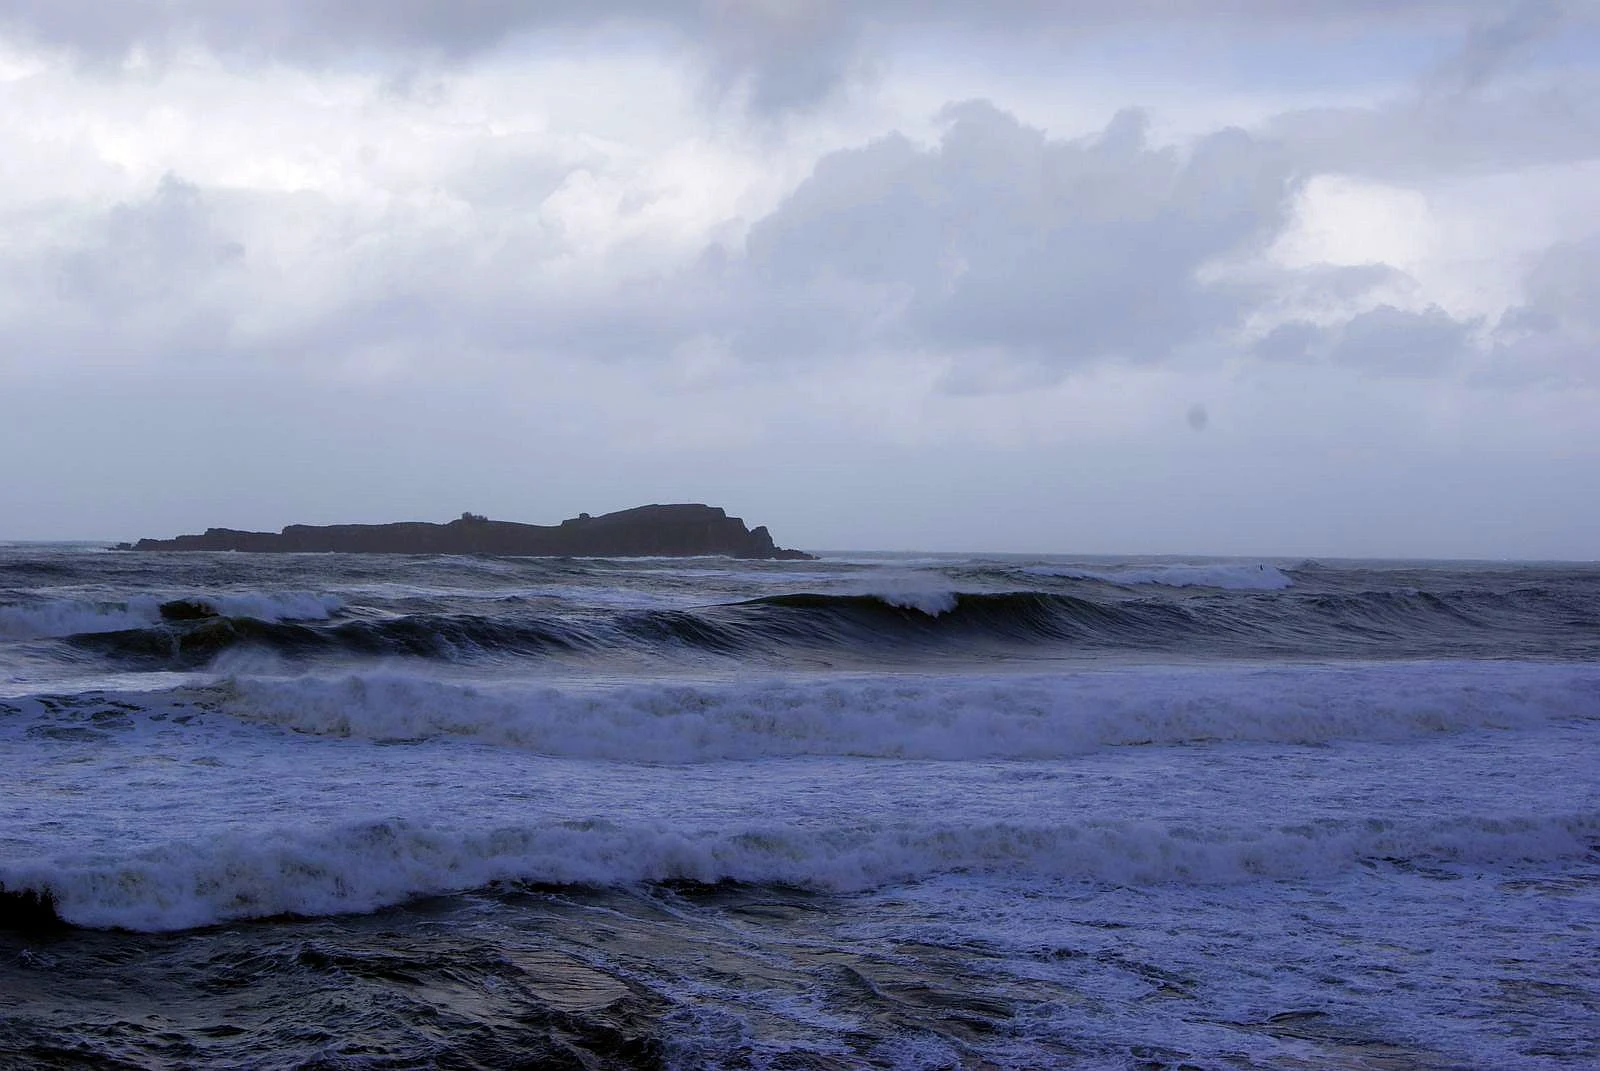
{"points": [[872, 811], [462, 609]]}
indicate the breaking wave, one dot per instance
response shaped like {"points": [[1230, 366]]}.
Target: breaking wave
{"points": [[58, 618], [365, 866], [956, 717], [1390, 623]]}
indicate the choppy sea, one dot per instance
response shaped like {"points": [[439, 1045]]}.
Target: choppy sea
{"points": [[329, 811]]}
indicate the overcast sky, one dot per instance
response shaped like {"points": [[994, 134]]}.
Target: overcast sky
{"points": [[1208, 276]]}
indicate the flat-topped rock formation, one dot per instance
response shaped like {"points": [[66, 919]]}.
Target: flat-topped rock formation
{"points": [[681, 530]]}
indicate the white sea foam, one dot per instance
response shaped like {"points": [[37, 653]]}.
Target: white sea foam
{"points": [[907, 589], [949, 718], [932, 601], [364, 866], [1232, 576], [71, 617]]}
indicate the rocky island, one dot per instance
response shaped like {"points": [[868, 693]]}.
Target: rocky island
{"points": [[679, 530]]}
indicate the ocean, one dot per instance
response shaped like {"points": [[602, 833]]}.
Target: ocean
{"points": [[870, 811]]}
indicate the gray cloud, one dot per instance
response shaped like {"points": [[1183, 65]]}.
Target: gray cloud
{"points": [[1295, 341], [1011, 256], [1554, 334], [1554, 122], [465, 26], [1001, 239], [159, 252], [1492, 44], [780, 53], [156, 278], [291, 330], [293, 28], [170, 282], [1383, 340], [1395, 340]]}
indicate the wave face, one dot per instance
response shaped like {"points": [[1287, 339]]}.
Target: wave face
{"points": [[1101, 613], [869, 811], [951, 718]]}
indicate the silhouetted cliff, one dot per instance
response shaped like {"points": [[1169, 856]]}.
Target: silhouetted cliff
{"points": [[680, 530]]}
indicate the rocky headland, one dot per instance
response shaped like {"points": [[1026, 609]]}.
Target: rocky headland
{"points": [[679, 530]]}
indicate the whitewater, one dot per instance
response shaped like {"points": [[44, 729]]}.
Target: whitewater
{"points": [[885, 811]]}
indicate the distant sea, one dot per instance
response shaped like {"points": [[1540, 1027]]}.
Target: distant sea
{"points": [[875, 811]]}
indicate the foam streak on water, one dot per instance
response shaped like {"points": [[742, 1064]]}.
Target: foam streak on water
{"points": [[887, 812]]}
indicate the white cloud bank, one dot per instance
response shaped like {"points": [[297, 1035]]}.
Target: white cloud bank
{"points": [[873, 274]]}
